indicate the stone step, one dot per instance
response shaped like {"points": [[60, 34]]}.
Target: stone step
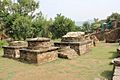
{"points": [[67, 53]]}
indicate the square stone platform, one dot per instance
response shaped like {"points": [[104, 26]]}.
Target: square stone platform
{"points": [[39, 56], [79, 47]]}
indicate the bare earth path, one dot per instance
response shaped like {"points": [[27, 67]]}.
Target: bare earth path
{"points": [[91, 66]]}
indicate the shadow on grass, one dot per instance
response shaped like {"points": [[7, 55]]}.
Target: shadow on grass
{"points": [[107, 74], [19, 60], [114, 54]]}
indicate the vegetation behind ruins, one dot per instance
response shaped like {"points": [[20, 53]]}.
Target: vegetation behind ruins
{"points": [[22, 19]]}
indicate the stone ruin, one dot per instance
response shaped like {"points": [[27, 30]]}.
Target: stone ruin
{"points": [[73, 37], [12, 50], [39, 50], [99, 35], [75, 41], [36, 50], [109, 35], [116, 69], [112, 35], [67, 53]]}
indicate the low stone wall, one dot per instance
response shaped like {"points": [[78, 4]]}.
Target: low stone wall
{"points": [[99, 35], [18, 43], [12, 52], [116, 70], [113, 35], [39, 56], [108, 35], [116, 75], [79, 47], [72, 39]]}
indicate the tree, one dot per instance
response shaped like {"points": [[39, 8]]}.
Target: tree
{"points": [[4, 7], [113, 16], [46, 31], [41, 27], [86, 26], [11, 12], [25, 7], [61, 26], [21, 28], [96, 24]]}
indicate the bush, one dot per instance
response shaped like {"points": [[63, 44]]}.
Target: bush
{"points": [[61, 26], [22, 28], [3, 43]]}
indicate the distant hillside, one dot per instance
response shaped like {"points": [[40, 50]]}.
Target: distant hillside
{"points": [[79, 23]]}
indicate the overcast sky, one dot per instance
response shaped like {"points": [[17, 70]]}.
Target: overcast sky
{"points": [[80, 10]]}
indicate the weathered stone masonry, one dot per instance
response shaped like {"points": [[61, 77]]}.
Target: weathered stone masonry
{"points": [[79, 47], [39, 50], [12, 51]]}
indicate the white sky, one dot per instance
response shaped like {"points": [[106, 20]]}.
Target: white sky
{"points": [[80, 10]]}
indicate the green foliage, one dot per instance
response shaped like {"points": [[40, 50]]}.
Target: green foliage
{"points": [[17, 17], [3, 43], [61, 26], [45, 30], [79, 28], [86, 26], [21, 28], [37, 25], [96, 24], [113, 16], [41, 27], [24, 7], [90, 27]]}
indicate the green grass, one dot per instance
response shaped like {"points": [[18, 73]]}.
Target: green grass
{"points": [[95, 64]]}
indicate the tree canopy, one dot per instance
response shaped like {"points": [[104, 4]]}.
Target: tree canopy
{"points": [[20, 20], [61, 25]]}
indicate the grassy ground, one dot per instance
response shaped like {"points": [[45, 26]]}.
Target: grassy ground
{"points": [[86, 67]]}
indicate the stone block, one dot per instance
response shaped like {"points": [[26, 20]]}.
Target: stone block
{"points": [[12, 51], [38, 43], [73, 37], [18, 43], [79, 47], [116, 78], [67, 53], [116, 61], [39, 56]]}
